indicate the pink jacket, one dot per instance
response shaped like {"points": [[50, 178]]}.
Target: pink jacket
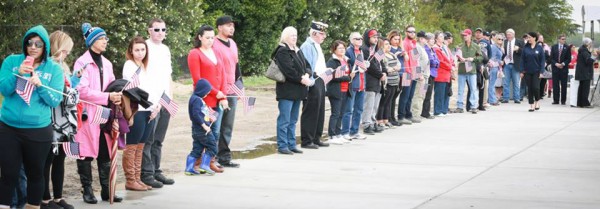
{"points": [[88, 135], [229, 56]]}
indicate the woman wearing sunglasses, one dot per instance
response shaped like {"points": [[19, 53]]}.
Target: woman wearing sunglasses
{"points": [[494, 64], [25, 116]]}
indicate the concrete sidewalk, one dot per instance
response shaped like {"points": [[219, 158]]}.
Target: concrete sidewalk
{"points": [[503, 158]]}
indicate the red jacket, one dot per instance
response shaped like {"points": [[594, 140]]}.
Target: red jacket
{"points": [[445, 69], [202, 67]]}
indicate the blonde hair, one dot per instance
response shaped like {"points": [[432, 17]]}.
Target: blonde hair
{"points": [[286, 33], [60, 41]]}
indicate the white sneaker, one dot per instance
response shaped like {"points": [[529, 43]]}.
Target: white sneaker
{"points": [[336, 141], [358, 136], [345, 141], [347, 137]]}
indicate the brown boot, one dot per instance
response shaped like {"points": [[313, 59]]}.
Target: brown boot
{"points": [[138, 165], [128, 168], [197, 164], [214, 167]]}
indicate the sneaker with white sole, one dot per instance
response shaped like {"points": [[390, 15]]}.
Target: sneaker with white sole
{"points": [[358, 136], [347, 137], [336, 141]]}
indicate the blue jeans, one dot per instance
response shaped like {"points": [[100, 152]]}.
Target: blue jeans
{"points": [[352, 113], [491, 86], [286, 124], [404, 102], [511, 75], [203, 141], [335, 120], [439, 98], [20, 196], [473, 98], [141, 129], [413, 86]]}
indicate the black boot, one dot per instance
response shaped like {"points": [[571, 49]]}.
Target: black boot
{"points": [[104, 174], [84, 168]]}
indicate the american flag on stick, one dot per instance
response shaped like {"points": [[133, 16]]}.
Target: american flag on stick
{"points": [[326, 76], [238, 89], [101, 115], [360, 61], [72, 150], [212, 115], [250, 104], [169, 104], [379, 55], [24, 89], [135, 80], [340, 71]]}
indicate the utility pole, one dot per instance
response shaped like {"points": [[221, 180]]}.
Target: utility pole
{"points": [[583, 22]]}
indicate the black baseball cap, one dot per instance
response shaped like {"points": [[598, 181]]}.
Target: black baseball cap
{"points": [[225, 19], [421, 34]]}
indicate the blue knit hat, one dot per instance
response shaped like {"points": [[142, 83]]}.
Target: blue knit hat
{"points": [[91, 34]]}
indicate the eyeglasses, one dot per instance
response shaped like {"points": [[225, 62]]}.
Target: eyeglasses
{"points": [[358, 39], [410, 31], [37, 44], [562, 39], [160, 29]]}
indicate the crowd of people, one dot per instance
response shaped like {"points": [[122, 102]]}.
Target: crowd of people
{"points": [[374, 82], [379, 81]]}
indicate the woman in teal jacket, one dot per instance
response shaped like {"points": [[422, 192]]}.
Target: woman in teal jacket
{"points": [[25, 128]]}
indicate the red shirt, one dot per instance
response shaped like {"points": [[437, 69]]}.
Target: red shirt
{"points": [[409, 45], [202, 67], [344, 84]]}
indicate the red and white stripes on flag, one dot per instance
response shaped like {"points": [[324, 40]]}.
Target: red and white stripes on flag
{"points": [[250, 105], [24, 89], [360, 61], [326, 76], [72, 150], [134, 81], [169, 104], [340, 71], [101, 115], [379, 55], [212, 115]]}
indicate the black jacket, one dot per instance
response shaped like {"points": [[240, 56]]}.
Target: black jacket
{"points": [[376, 68], [293, 65], [334, 87], [565, 58], [584, 69], [516, 55]]}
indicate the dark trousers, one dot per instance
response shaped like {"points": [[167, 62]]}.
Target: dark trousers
{"points": [[335, 119], [394, 101], [427, 100], [55, 165], [226, 131], [384, 111], [153, 146], [404, 103], [533, 84], [559, 85], [543, 82], [313, 114], [141, 129], [202, 142], [28, 147], [583, 93]]}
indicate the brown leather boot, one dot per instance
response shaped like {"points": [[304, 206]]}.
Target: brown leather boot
{"points": [[214, 167], [138, 165], [128, 168], [197, 164]]}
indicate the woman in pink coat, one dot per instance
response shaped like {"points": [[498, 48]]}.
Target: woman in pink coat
{"points": [[97, 74]]}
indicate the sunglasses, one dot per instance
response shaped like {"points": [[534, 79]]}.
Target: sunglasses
{"points": [[160, 29], [358, 39], [410, 31], [37, 44]]}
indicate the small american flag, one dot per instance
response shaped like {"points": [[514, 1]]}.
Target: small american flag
{"points": [[250, 105], [379, 55], [169, 104], [238, 89], [212, 114], [340, 71], [406, 81], [360, 61], [101, 116], [72, 150], [135, 80], [24, 89], [326, 76]]}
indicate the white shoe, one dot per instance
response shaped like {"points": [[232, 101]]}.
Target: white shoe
{"points": [[347, 136], [336, 141], [358, 136], [345, 141]]}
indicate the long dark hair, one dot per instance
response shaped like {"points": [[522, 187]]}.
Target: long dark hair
{"points": [[129, 54], [201, 30]]}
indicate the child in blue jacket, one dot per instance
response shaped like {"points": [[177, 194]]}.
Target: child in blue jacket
{"points": [[199, 114]]}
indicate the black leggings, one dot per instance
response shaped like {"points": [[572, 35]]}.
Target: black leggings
{"points": [[384, 111], [57, 163], [28, 147], [533, 86]]}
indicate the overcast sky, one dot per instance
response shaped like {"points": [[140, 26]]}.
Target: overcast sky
{"points": [[592, 12]]}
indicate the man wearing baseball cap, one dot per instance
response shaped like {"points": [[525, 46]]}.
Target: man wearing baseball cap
{"points": [[469, 55]]}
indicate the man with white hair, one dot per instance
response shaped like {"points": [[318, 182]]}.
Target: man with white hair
{"points": [[351, 118], [313, 109], [512, 71]]}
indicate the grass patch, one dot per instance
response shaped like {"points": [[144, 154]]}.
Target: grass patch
{"points": [[258, 81]]}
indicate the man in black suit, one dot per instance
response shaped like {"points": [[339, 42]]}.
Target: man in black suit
{"points": [[560, 56], [512, 70]]}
